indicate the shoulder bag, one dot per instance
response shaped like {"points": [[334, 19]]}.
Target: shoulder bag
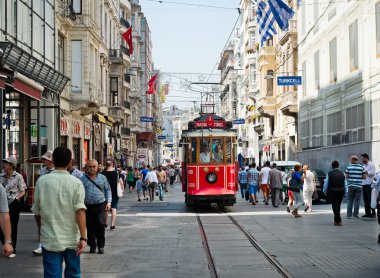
{"points": [[294, 185], [119, 189], [97, 186]]}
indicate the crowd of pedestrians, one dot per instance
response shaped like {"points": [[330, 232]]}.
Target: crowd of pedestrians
{"points": [[72, 207], [299, 186]]}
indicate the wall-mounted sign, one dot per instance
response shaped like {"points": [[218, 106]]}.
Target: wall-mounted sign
{"points": [[289, 80], [239, 122], [161, 137], [76, 128], [146, 119], [64, 127], [87, 131]]}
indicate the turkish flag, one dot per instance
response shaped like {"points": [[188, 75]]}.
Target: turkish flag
{"points": [[128, 38], [152, 85]]}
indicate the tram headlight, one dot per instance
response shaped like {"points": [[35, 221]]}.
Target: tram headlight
{"points": [[211, 177]]}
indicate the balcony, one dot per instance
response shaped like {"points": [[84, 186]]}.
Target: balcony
{"points": [[125, 131], [127, 105], [266, 106], [120, 55], [288, 103], [291, 32], [125, 4], [267, 55], [124, 23], [116, 112]]}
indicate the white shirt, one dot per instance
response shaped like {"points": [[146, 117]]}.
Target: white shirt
{"points": [[151, 177], [264, 175], [205, 157], [308, 183], [371, 172]]}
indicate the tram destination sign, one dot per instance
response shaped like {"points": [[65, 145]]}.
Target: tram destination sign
{"points": [[239, 122], [210, 124], [289, 80], [146, 119]]}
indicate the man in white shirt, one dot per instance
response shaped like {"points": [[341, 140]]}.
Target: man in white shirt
{"points": [[367, 182], [264, 175], [205, 154], [151, 178]]}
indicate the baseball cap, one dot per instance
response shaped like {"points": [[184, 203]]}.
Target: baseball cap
{"points": [[11, 160], [48, 155]]}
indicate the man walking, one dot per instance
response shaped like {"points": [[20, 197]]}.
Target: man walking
{"points": [[253, 182], [151, 178], [243, 181], [355, 174], [161, 176], [98, 200], [275, 183], [264, 174], [334, 188], [5, 223], [171, 175], [47, 159], [367, 182], [60, 215]]}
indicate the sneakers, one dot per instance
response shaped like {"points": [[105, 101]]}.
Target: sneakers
{"points": [[101, 251], [112, 228], [266, 203], [11, 256], [37, 251], [306, 208], [288, 209]]}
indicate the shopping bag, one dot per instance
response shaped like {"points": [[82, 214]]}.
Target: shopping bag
{"points": [[374, 194]]}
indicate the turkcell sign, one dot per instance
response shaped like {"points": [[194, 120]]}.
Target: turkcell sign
{"points": [[289, 80], [146, 119], [239, 122], [161, 137]]}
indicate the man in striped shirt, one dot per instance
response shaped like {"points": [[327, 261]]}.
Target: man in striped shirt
{"points": [[355, 173]]}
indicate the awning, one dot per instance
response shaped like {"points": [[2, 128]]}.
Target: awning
{"points": [[100, 118], [27, 89], [145, 136]]}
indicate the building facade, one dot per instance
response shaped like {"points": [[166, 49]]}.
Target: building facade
{"points": [[339, 100]]}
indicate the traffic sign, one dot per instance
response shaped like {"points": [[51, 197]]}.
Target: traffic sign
{"points": [[146, 119], [161, 137], [289, 80], [239, 122], [169, 145]]}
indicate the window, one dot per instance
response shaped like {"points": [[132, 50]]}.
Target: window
{"points": [[76, 66], [23, 24], [304, 134], [77, 6], [334, 128], [354, 53], [333, 61], [114, 91], [375, 112], [270, 83], [377, 12], [61, 54], [304, 79], [317, 132], [316, 70], [354, 124]]}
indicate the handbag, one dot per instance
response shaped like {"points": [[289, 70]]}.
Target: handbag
{"points": [[374, 196], [120, 192], [315, 195]]}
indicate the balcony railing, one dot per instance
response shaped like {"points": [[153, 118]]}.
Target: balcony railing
{"points": [[127, 78], [126, 131], [127, 104], [125, 50], [114, 53], [124, 22]]}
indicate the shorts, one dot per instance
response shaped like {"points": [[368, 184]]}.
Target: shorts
{"points": [[290, 194], [115, 202], [252, 189], [144, 188]]}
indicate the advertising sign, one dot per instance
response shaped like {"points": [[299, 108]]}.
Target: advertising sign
{"points": [[239, 122], [161, 137], [289, 80], [146, 119]]}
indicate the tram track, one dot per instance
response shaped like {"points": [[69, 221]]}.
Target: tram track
{"points": [[210, 260]]}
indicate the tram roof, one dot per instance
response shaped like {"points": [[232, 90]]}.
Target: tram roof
{"points": [[209, 132]]}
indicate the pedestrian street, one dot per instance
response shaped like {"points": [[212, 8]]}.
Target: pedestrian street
{"points": [[163, 239]]}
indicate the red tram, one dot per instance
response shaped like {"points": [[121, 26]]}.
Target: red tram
{"points": [[209, 171]]}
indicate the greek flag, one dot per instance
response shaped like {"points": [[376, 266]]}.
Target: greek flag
{"points": [[281, 12], [265, 20]]}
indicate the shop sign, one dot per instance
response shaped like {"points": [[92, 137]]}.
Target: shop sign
{"points": [[87, 131], [76, 128], [97, 136], [64, 127]]}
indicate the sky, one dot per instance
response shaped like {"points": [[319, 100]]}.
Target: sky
{"points": [[188, 39]]}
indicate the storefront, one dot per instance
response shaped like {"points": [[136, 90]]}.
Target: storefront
{"points": [[64, 131]]}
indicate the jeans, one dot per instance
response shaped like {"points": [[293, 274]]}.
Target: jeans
{"points": [[52, 262], [275, 196], [367, 199], [95, 225], [161, 190], [354, 194], [14, 215], [336, 197], [298, 200], [243, 188]]}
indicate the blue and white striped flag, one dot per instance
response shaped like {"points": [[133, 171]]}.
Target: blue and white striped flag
{"points": [[265, 20], [281, 12]]}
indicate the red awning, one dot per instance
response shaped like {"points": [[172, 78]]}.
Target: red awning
{"points": [[2, 83], [145, 136], [27, 89]]}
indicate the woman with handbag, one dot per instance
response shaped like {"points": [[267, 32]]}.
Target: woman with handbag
{"points": [[309, 187], [295, 187], [115, 181]]}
